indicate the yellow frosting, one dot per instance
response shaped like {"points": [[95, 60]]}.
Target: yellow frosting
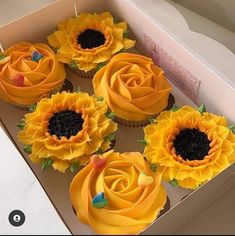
{"points": [[40, 77], [69, 51], [189, 173], [133, 86], [93, 136], [131, 208]]}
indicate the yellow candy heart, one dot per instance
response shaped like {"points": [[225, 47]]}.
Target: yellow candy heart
{"points": [[144, 180]]}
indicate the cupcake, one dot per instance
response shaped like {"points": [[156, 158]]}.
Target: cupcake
{"points": [[66, 129], [29, 72], [117, 193], [134, 88], [189, 146], [88, 41]]}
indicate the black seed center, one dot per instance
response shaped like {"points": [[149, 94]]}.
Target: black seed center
{"points": [[65, 123], [192, 144], [90, 39]]}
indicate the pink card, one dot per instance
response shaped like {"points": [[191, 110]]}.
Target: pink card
{"points": [[174, 71]]}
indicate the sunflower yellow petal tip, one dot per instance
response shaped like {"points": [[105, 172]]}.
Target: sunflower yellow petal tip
{"points": [[67, 128], [71, 34], [189, 145]]}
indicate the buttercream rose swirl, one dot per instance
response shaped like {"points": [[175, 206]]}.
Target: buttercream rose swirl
{"points": [[32, 72], [133, 194], [133, 86]]}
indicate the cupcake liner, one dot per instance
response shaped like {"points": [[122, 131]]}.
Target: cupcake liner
{"points": [[130, 123], [142, 123], [113, 142], [82, 74], [166, 207]]}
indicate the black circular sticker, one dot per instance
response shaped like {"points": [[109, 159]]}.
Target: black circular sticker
{"points": [[16, 218]]}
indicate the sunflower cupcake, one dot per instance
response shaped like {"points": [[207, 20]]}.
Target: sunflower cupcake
{"points": [[65, 130], [135, 89], [29, 72], [117, 193], [88, 41], [189, 146]]}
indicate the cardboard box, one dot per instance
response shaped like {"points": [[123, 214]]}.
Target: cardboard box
{"points": [[196, 79]]}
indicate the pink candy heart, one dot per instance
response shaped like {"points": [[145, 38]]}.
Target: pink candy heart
{"points": [[98, 163], [18, 80]]}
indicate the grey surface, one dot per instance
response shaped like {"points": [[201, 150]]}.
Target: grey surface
{"points": [[12, 9], [218, 219]]}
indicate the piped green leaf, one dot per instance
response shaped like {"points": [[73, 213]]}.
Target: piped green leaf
{"points": [[115, 20], [100, 65], [110, 115], [55, 50], [122, 50], [28, 149], [202, 183], [21, 125], [125, 34], [46, 163], [32, 107], [151, 119], [202, 109], [74, 166], [173, 182], [99, 151], [73, 65], [142, 141], [175, 108], [78, 90], [100, 98], [232, 128], [2, 56], [110, 137], [153, 167]]}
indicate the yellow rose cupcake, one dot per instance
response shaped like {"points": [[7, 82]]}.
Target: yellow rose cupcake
{"points": [[134, 88], [117, 193], [88, 41], [29, 72], [65, 130], [189, 146]]}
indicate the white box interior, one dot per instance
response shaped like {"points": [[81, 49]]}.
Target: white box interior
{"points": [[214, 91]]}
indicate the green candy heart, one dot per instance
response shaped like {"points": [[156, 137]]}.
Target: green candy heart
{"points": [[101, 204]]}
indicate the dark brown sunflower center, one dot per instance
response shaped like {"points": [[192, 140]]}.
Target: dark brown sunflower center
{"points": [[65, 123], [90, 39], [192, 144]]}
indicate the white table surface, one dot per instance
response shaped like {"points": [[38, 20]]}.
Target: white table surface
{"points": [[20, 190]]}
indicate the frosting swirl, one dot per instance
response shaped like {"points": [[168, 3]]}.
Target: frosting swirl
{"points": [[24, 80], [102, 38], [52, 129], [192, 131], [133, 86], [131, 207]]}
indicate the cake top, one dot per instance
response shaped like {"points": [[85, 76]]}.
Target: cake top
{"points": [[29, 72], [65, 130], [190, 146], [133, 86], [117, 193], [88, 41]]}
